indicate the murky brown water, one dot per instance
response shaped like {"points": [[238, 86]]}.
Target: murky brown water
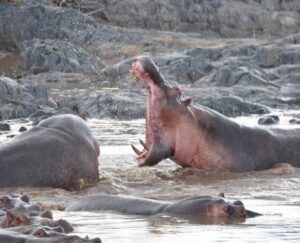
{"points": [[273, 193]]}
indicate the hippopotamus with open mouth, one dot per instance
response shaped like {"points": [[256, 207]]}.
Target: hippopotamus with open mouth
{"points": [[199, 137]]}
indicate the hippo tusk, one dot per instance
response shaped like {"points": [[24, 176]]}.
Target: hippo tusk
{"points": [[143, 144], [138, 152], [143, 155]]}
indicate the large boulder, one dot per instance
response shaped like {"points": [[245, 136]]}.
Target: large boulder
{"points": [[55, 55], [126, 104], [231, 18], [20, 100], [28, 21]]}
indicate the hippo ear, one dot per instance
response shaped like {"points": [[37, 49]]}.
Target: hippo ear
{"points": [[5, 199], [186, 102], [9, 216], [22, 218]]}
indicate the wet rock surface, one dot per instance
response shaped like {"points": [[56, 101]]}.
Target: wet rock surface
{"points": [[20, 100], [212, 18], [40, 56], [73, 57]]}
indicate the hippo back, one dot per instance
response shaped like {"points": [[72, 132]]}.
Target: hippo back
{"points": [[57, 152]]}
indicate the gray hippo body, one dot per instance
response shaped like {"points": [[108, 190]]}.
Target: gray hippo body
{"points": [[196, 136], [58, 152], [201, 206]]}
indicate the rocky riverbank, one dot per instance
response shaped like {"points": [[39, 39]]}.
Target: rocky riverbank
{"points": [[237, 57]]}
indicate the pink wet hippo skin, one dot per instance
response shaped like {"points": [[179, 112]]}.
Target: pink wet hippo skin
{"points": [[202, 138]]}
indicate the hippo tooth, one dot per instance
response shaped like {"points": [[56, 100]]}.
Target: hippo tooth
{"points": [[138, 152], [143, 144], [143, 155]]}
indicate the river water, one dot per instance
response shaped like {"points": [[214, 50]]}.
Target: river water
{"points": [[274, 193]]}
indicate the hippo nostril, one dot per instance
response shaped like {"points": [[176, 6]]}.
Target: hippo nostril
{"points": [[243, 213]]}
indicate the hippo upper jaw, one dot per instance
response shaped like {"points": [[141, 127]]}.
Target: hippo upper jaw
{"points": [[139, 74], [251, 214]]}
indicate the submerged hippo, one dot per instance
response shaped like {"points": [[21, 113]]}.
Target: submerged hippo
{"points": [[14, 201], [199, 137], [58, 152], [40, 236], [201, 206]]}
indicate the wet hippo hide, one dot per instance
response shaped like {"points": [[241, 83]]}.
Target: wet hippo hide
{"points": [[196, 136], [58, 152], [199, 206]]}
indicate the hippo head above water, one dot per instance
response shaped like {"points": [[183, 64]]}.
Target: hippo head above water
{"points": [[165, 111], [196, 136]]}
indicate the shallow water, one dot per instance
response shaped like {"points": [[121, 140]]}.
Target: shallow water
{"points": [[273, 193]]}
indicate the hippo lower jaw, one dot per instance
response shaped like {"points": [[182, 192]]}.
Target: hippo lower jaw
{"points": [[156, 149], [157, 152]]}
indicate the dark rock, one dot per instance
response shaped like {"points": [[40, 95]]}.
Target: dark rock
{"points": [[268, 120], [211, 18], [4, 127], [39, 92], [55, 55], [182, 68], [243, 50], [294, 121], [276, 55], [22, 129], [115, 74], [117, 105], [60, 81], [15, 109], [65, 110], [36, 120], [291, 39], [20, 100], [25, 22], [40, 113], [239, 72], [293, 101], [211, 54], [232, 106]]}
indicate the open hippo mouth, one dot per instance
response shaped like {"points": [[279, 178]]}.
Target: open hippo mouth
{"points": [[144, 70], [163, 103]]}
